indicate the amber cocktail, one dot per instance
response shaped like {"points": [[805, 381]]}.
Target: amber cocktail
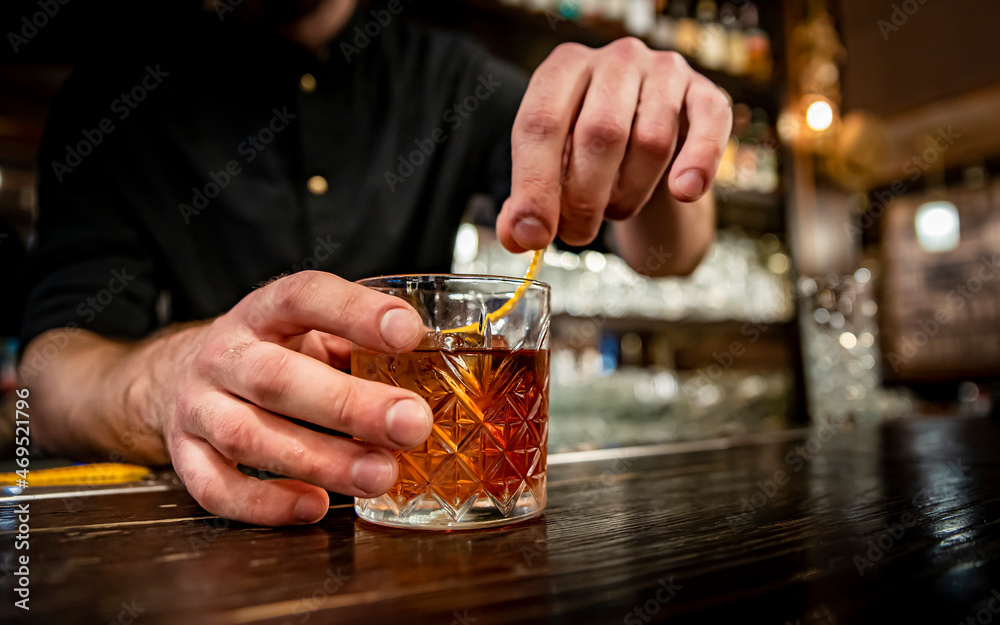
{"points": [[487, 385]]}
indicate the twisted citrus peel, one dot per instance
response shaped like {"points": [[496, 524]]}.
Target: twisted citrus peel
{"points": [[503, 311], [100, 473]]}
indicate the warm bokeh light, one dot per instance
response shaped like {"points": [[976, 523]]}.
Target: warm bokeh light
{"points": [[778, 263], [595, 261], [819, 115], [848, 340], [937, 226]]}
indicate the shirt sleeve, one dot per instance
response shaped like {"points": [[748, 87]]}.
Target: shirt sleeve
{"points": [[88, 266]]}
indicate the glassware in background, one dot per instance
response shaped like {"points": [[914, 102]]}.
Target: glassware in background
{"points": [[646, 406], [741, 278], [600, 396], [840, 351]]}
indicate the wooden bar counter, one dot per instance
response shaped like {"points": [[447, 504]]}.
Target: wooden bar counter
{"points": [[897, 524]]}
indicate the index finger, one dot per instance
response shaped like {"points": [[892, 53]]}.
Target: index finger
{"points": [[710, 120], [316, 300], [530, 217]]}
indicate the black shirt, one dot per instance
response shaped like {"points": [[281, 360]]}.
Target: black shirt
{"points": [[192, 168]]}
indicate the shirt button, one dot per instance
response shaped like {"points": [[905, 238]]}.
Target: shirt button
{"points": [[307, 83], [317, 185]]}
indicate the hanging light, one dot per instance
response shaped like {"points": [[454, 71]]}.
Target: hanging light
{"points": [[937, 226], [819, 115]]}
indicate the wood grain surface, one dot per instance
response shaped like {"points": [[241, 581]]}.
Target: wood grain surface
{"points": [[897, 524]]}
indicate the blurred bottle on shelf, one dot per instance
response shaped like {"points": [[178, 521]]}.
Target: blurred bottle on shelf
{"points": [[750, 161], [640, 17], [664, 35], [570, 9], [736, 40], [686, 38], [726, 38], [630, 348], [757, 42], [590, 10], [713, 48], [614, 10]]}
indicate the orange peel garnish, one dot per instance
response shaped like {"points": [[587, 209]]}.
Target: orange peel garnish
{"points": [[503, 311]]}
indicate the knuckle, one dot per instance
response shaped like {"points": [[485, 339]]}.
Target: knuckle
{"points": [[342, 407], [538, 123], [725, 118], [673, 110], [268, 378], [628, 47], [722, 101], [709, 147], [583, 214], [718, 106], [569, 49], [204, 362], [577, 236], [656, 140], [671, 60], [218, 355], [234, 434], [294, 456], [199, 484], [538, 200], [602, 128], [352, 302], [174, 436], [190, 412], [622, 209], [294, 292]]}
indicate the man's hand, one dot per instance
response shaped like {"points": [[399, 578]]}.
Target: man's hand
{"points": [[217, 394], [598, 131]]}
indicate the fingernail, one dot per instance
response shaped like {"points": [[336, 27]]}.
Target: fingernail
{"points": [[310, 508], [530, 233], [372, 473], [408, 423], [691, 183], [399, 327]]}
